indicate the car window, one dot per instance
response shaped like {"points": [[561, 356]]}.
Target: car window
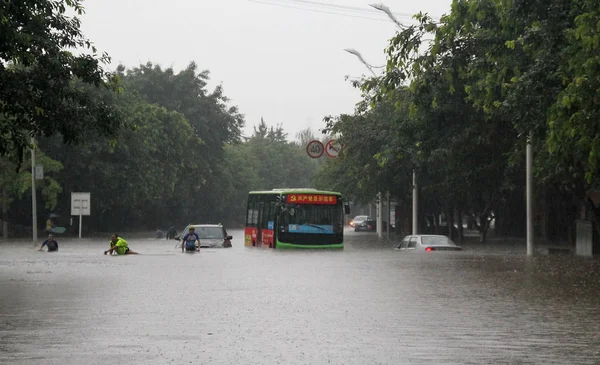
{"points": [[404, 243], [209, 232], [437, 241], [413, 242], [360, 218]]}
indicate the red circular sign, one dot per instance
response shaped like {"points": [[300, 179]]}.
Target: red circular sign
{"points": [[315, 148], [333, 149]]}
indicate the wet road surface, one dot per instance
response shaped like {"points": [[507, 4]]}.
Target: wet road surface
{"points": [[364, 305]]}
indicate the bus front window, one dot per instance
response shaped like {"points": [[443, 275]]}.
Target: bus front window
{"points": [[306, 218]]}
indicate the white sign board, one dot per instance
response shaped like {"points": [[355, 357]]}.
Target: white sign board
{"points": [[80, 204], [39, 172]]}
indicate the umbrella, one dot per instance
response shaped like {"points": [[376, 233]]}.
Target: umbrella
{"points": [[59, 230]]}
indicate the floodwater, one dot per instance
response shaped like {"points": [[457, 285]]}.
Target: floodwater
{"points": [[367, 304]]}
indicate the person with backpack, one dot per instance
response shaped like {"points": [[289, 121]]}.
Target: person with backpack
{"points": [[188, 242]]}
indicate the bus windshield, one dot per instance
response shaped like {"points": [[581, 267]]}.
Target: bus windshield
{"points": [[307, 218]]}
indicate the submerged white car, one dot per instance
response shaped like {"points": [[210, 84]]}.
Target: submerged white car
{"points": [[211, 235], [428, 243]]}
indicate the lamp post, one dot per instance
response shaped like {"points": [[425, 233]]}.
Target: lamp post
{"points": [[33, 194], [360, 57], [379, 202], [415, 205], [529, 193], [388, 12]]}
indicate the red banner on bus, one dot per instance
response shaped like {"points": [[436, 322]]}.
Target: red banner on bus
{"points": [[311, 199]]}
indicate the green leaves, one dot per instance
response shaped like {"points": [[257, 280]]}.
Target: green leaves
{"points": [[39, 76]]}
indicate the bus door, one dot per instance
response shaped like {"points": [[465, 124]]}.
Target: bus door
{"points": [[271, 224], [259, 224]]}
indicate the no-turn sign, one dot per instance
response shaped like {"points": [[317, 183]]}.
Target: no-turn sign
{"points": [[333, 148], [315, 149]]}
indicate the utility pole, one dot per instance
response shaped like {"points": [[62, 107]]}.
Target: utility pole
{"points": [[529, 195], [415, 205], [379, 216], [33, 193], [389, 214]]}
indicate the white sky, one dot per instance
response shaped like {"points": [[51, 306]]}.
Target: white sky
{"points": [[276, 61]]}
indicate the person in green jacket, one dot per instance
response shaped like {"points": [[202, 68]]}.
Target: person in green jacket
{"points": [[120, 246]]}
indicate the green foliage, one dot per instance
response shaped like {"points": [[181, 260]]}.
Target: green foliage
{"points": [[156, 174], [210, 118], [38, 70], [16, 182], [470, 89], [574, 130], [137, 177], [378, 152]]}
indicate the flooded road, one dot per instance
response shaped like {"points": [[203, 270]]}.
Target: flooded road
{"points": [[367, 304]]}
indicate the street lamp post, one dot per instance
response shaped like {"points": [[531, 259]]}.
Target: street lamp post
{"points": [[33, 193], [388, 12], [379, 221], [529, 193], [360, 57], [389, 214], [415, 205]]}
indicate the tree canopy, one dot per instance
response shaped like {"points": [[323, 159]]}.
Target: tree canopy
{"points": [[469, 90], [42, 73]]}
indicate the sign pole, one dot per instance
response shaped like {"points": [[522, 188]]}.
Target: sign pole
{"points": [[80, 215]]}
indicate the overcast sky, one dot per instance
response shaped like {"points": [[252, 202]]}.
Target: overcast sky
{"points": [[282, 60]]}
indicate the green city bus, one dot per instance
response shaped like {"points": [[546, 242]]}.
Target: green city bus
{"points": [[295, 218]]}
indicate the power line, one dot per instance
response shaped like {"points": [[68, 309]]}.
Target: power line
{"points": [[325, 10], [342, 7], [317, 11]]}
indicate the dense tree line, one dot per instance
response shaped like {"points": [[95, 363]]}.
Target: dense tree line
{"points": [[458, 101], [153, 146], [181, 159]]}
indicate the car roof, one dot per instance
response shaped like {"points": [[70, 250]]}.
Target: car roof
{"points": [[205, 225]]}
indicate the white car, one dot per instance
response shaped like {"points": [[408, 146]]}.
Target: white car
{"points": [[211, 235], [428, 243]]}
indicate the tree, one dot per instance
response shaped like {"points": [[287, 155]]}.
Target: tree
{"points": [[16, 182], [141, 178], [208, 114], [41, 77]]}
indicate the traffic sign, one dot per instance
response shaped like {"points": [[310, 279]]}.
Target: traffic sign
{"points": [[315, 148], [39, 172], [333, 148], [80, 204]]}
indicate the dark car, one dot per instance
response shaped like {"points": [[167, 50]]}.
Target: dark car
{"points": [[364, 223]]}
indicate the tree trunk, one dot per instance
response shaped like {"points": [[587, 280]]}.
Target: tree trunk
{"points": [[459, 217], [450, 223], [544, 220], [595, 214], [485, 225]]}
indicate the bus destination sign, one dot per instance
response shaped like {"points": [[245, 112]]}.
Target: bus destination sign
{"points": [[311, 199]]}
